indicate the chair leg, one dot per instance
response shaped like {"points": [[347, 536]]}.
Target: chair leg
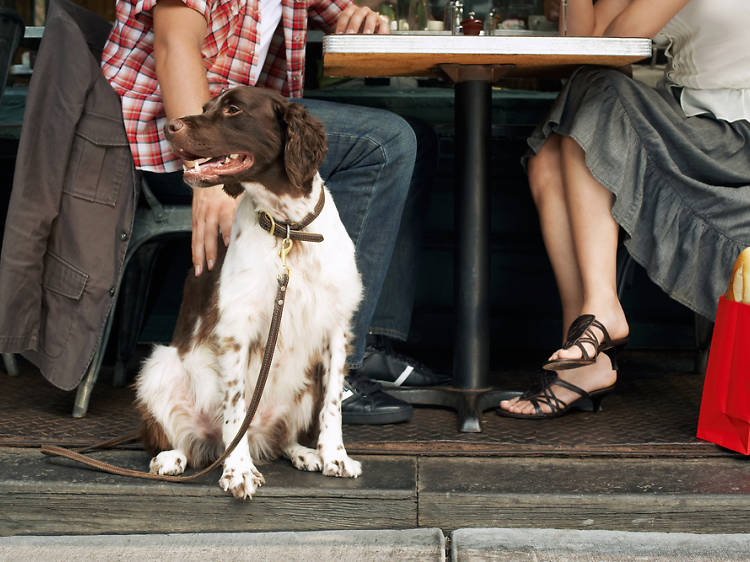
{"points": [[11, 366], [134, 294], [83, 395], [624, 271]]}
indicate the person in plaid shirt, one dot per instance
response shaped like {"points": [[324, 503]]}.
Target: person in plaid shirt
{"points": [[167, 58]]}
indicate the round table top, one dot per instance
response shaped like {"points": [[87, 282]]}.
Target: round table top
{"points": [[421, 54]]}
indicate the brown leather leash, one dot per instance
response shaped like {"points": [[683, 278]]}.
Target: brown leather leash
{"points": [[273, 334]]}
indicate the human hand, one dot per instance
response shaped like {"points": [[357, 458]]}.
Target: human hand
{"points": [[361, 19], [213, 212]]}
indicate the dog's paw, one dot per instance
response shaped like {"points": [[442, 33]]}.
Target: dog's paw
{"points": [[241, 482], [342, 466], [168, 463], [307, 460]]}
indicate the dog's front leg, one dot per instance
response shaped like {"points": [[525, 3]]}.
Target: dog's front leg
{"points": [[240, 476], [331, 441]]}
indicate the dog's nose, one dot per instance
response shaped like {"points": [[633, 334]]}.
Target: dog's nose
{"points": [[175, 125]]}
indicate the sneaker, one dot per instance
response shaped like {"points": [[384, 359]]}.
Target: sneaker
{"points": [[390, 369], [365, 402]]}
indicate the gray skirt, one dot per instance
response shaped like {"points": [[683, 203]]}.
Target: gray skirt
{"points": [[681, 184]]}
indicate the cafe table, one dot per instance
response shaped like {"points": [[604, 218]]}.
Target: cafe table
{"points": [[472, 64]]}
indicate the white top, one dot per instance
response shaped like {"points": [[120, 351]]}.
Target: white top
{"points": [[269, 17], [708, 52]]}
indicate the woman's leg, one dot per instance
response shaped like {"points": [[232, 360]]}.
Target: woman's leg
{"points": [[547, 190], [581, 239], [595, 240]]}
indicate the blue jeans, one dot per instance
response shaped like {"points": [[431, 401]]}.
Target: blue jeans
{"points": [[394, 311], [368, 168]]}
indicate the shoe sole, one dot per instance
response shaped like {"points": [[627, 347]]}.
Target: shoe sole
{"points": [[377, 419], [390, 385]]}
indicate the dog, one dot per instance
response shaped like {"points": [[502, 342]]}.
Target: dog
{"points": [[193, 394]]}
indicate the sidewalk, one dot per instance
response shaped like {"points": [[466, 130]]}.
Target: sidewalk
{"points": [[361, 546]]}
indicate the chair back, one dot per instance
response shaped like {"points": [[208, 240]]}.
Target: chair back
{"points": [[11, 33]]}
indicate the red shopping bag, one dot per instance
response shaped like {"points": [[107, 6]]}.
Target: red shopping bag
{"points": [[725, 407]]}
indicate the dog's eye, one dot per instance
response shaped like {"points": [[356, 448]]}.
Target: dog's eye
{"points": [[231, 110]]}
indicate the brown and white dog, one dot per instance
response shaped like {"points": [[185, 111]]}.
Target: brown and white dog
{"points": [[193, 393]]}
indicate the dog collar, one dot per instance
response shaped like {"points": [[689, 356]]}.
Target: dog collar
{"points": [[293, 230]]}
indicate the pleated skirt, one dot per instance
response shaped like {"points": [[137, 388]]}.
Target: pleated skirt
{"points": [[681, 184]]}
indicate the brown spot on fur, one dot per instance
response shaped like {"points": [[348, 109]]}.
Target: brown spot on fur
{"points": [[315, 387], [200, 304], [152, 433], [235, 399], [287, 142]]}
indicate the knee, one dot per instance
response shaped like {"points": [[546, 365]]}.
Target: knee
{"points": [[399, 140], [544, 174]]}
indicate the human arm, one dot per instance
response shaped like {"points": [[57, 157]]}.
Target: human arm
{"points": [[619, 18], [178, 35]]}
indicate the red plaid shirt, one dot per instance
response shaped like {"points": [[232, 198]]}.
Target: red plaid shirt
{"points": [[228, 51]]}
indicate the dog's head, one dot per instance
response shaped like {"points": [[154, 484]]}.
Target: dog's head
{"points": [[250, 134]]}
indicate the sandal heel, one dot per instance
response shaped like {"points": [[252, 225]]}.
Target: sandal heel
{"points": [[596, 404], [613, 352]]}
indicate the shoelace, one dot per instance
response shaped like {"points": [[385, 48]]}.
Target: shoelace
{"points": [[361, 384], [407, 360]]}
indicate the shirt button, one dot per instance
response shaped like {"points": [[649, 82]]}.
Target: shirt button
{"points": [[123, 236], [111, 291]]}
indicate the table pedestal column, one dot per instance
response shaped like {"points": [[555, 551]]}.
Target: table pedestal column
{"points": [[470, 394]]}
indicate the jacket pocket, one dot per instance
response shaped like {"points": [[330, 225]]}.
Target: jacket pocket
{"points": [[99, 158], [63, 287]]}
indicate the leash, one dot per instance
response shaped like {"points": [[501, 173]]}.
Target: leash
{"points": [[273, 334]]}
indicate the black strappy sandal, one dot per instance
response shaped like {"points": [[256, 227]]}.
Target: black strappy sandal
{"points": [[588, 401], [581, 333]]}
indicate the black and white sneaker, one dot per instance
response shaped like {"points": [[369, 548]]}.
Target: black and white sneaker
{"points": [[365, 402], [390, 369]]}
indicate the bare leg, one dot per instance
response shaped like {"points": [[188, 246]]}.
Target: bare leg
{"points": [[580, 234], [547, 190], [595, 240]]}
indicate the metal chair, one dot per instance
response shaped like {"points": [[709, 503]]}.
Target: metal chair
{"points": [[153, 224], [11, 33]]}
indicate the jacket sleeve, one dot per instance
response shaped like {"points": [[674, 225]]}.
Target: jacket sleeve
{"points": [[324, 13], [49, 123]]}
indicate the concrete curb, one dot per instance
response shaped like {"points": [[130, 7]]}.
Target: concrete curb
{"points": [[557, 544], [410, 544]]}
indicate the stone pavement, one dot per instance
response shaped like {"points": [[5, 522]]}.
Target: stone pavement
{"points": [[401, 545]]}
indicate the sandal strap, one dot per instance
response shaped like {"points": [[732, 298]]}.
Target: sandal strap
{"points": [[547, 397], [581, 332]]}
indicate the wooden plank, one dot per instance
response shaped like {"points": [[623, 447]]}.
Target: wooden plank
{"points": [[419, 55], [689, 495], [39, 495], [359, 65]]}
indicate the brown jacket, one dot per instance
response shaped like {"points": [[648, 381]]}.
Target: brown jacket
{"points": [[72, 205]]}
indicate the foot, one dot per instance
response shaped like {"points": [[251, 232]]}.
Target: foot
{"points": [[612, 317], [385, 366], [169, 463], [241, 481], [365, 402], [589, 378]]}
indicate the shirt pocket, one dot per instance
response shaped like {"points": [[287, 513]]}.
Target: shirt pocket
{"points": [[99, 158]]}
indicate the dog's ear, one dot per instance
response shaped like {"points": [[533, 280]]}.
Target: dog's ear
{"points": [[233, 189], [305, 146]]}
